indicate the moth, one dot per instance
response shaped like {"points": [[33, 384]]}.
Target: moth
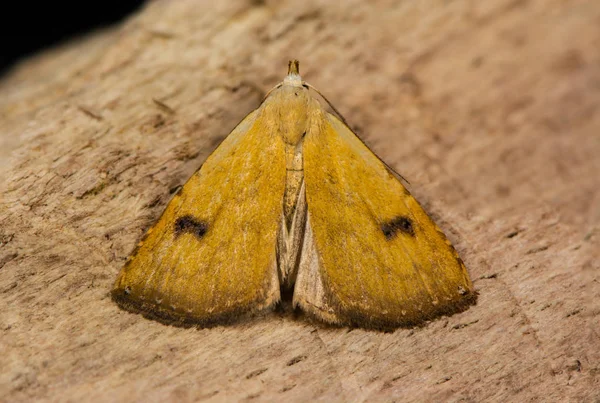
{"points": [[293, 200]]}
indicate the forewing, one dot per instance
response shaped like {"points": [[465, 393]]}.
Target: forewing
{"points": [[211, 255], [381, 260]]}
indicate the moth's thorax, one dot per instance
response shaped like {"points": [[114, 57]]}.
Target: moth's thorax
{"points": [[289, 106]]}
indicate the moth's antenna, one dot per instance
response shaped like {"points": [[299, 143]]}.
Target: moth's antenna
{"points": [[392, 170], [271, 90], [328, 103]]}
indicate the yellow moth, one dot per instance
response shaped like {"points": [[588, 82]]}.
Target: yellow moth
{"points": [[293, 200]]}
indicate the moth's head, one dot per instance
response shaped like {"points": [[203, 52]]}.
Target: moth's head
{"points": [[293, 77]]}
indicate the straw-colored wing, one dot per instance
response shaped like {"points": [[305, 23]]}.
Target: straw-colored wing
{"points": [[212, 254], [372, 256]]}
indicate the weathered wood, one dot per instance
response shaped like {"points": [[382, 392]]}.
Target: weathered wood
{"points": [[490, 109]]}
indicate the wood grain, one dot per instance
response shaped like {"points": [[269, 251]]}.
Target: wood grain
{"points": [[490, 109]]}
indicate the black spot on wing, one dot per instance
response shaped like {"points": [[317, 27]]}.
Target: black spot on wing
{"points": [[399, 224], [190, 225]]}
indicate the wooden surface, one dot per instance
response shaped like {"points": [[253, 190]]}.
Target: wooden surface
{"points": [[490, 109]]}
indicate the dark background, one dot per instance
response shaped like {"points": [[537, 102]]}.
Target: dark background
{"points": [[27, 27]]}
